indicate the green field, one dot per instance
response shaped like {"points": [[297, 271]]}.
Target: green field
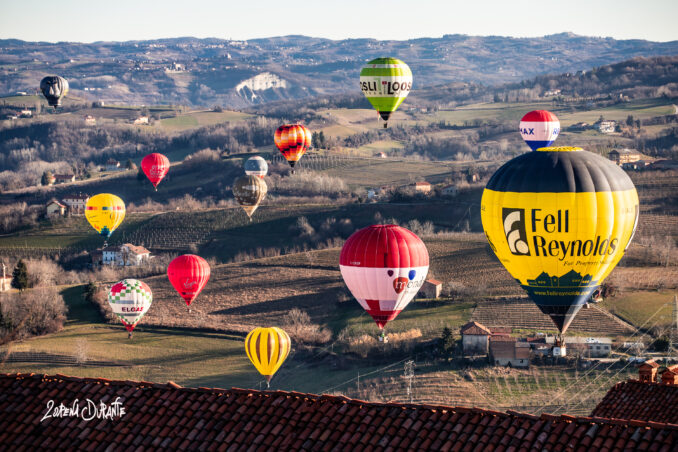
{"points": [[199, 119], [644, 309]]}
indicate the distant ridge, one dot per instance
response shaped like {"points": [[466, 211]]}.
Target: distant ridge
{"points": [[141, 72]]}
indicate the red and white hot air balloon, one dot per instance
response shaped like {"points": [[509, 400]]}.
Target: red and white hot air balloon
{"points": [[155, 166], [188, 274], [539, 129], [384, 266]]}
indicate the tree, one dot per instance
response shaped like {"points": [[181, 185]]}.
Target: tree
{"points": [[141, 176], [130, 165], [47, 178], [629, 121], [447, 343], [20, 276], [661, 344]]}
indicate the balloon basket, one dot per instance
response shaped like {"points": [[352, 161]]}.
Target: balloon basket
{"points": [[129, 335], [385, 125]]}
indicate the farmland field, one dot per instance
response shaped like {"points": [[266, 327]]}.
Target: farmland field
{"points": [[198, 119]]}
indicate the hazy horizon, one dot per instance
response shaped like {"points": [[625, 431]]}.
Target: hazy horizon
{"points": [[79, 21]]}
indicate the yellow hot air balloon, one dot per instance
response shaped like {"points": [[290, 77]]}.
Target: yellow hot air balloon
{"points": [[559, 219], [105, 212], [267, 348]]}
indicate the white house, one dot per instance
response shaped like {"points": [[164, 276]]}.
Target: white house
{"points": [[126, 255], [141, 120], [54, 208], [6, 281], [112, 165], [76, 203], [64, 178], [605, 126], [449, 190]]}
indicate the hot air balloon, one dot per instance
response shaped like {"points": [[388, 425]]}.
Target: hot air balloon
{"points": [[155, 166], [256, 166], [267, 348], [54, 88], [386, 82], [130, 299], [292, 140], [105, 212], [188, 274], [539, 128], [249, 191], [384, 266], [559, 219]]}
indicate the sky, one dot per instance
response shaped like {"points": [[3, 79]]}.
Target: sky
{"points": [[124, 20]]}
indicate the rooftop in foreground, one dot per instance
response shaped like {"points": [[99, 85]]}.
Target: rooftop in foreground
{"points": [[169, 416]]}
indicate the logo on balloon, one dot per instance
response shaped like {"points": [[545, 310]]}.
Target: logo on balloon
{"points": [[400, 284], [514, 229]]}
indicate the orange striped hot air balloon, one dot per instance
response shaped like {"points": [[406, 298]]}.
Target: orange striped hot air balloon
{"points": [[292, 140]]}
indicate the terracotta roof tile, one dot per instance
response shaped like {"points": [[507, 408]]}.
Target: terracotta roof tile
{"points": [[168, 416], [640, 401]]}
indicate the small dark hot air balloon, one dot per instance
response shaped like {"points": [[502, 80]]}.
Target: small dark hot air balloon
{"points": [[54, 88], [249, 191]]}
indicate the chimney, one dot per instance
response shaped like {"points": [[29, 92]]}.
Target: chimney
{"points": [[670, 375], [647, 372]]}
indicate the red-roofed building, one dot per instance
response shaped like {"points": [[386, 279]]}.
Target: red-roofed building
{"points": [[167, 416], [508, 351], [644, 400], [431, 288], [475, 337]]}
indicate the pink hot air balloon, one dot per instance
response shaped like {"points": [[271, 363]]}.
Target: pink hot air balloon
{"points": [[188, 274], [384, 266]]}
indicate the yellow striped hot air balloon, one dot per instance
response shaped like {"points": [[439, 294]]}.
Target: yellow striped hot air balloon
{"points": [[559, 219], [105, 212], [267, 348]]}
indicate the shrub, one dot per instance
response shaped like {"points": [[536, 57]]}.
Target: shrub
{"points": [[298, 325], [32, 313]]}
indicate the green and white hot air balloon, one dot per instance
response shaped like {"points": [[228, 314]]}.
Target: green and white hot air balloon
{"points": [[386, 82]]}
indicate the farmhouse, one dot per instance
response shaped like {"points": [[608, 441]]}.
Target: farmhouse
{"points": [[76, 203], [90, 120], [449, 190], [141, 120], [126, 255], [64, 178], [508, 351], [112, 165], [621, 156], [55, 209], [26, 113], [168, 416], [591, 347], [422, 187], [605, 126], [431, 288]]}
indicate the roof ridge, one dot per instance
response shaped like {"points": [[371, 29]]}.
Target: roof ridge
{"points": [[170, 385]]}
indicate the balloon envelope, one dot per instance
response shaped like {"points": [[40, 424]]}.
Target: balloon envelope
{"points": [[386, 82], [539, 128], [267, 348], [130, 299], [188, 274], [155, 166], [559, 219], [249, 191], [105, 212], [54, 88], [384, 266], [292, 141], [256, 166]]}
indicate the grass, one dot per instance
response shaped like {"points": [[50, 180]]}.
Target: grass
{"points": [[643, 308], [199, 119]]}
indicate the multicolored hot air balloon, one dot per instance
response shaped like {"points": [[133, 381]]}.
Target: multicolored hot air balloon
{"points": [[105, 212], [155, 166], [293, 140], [539, 129], [267, 348], [188, 274], [130, 300], [54, 88], [559, 219], [386, 82], [249, 191], [384, 266], [256, 166]]}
